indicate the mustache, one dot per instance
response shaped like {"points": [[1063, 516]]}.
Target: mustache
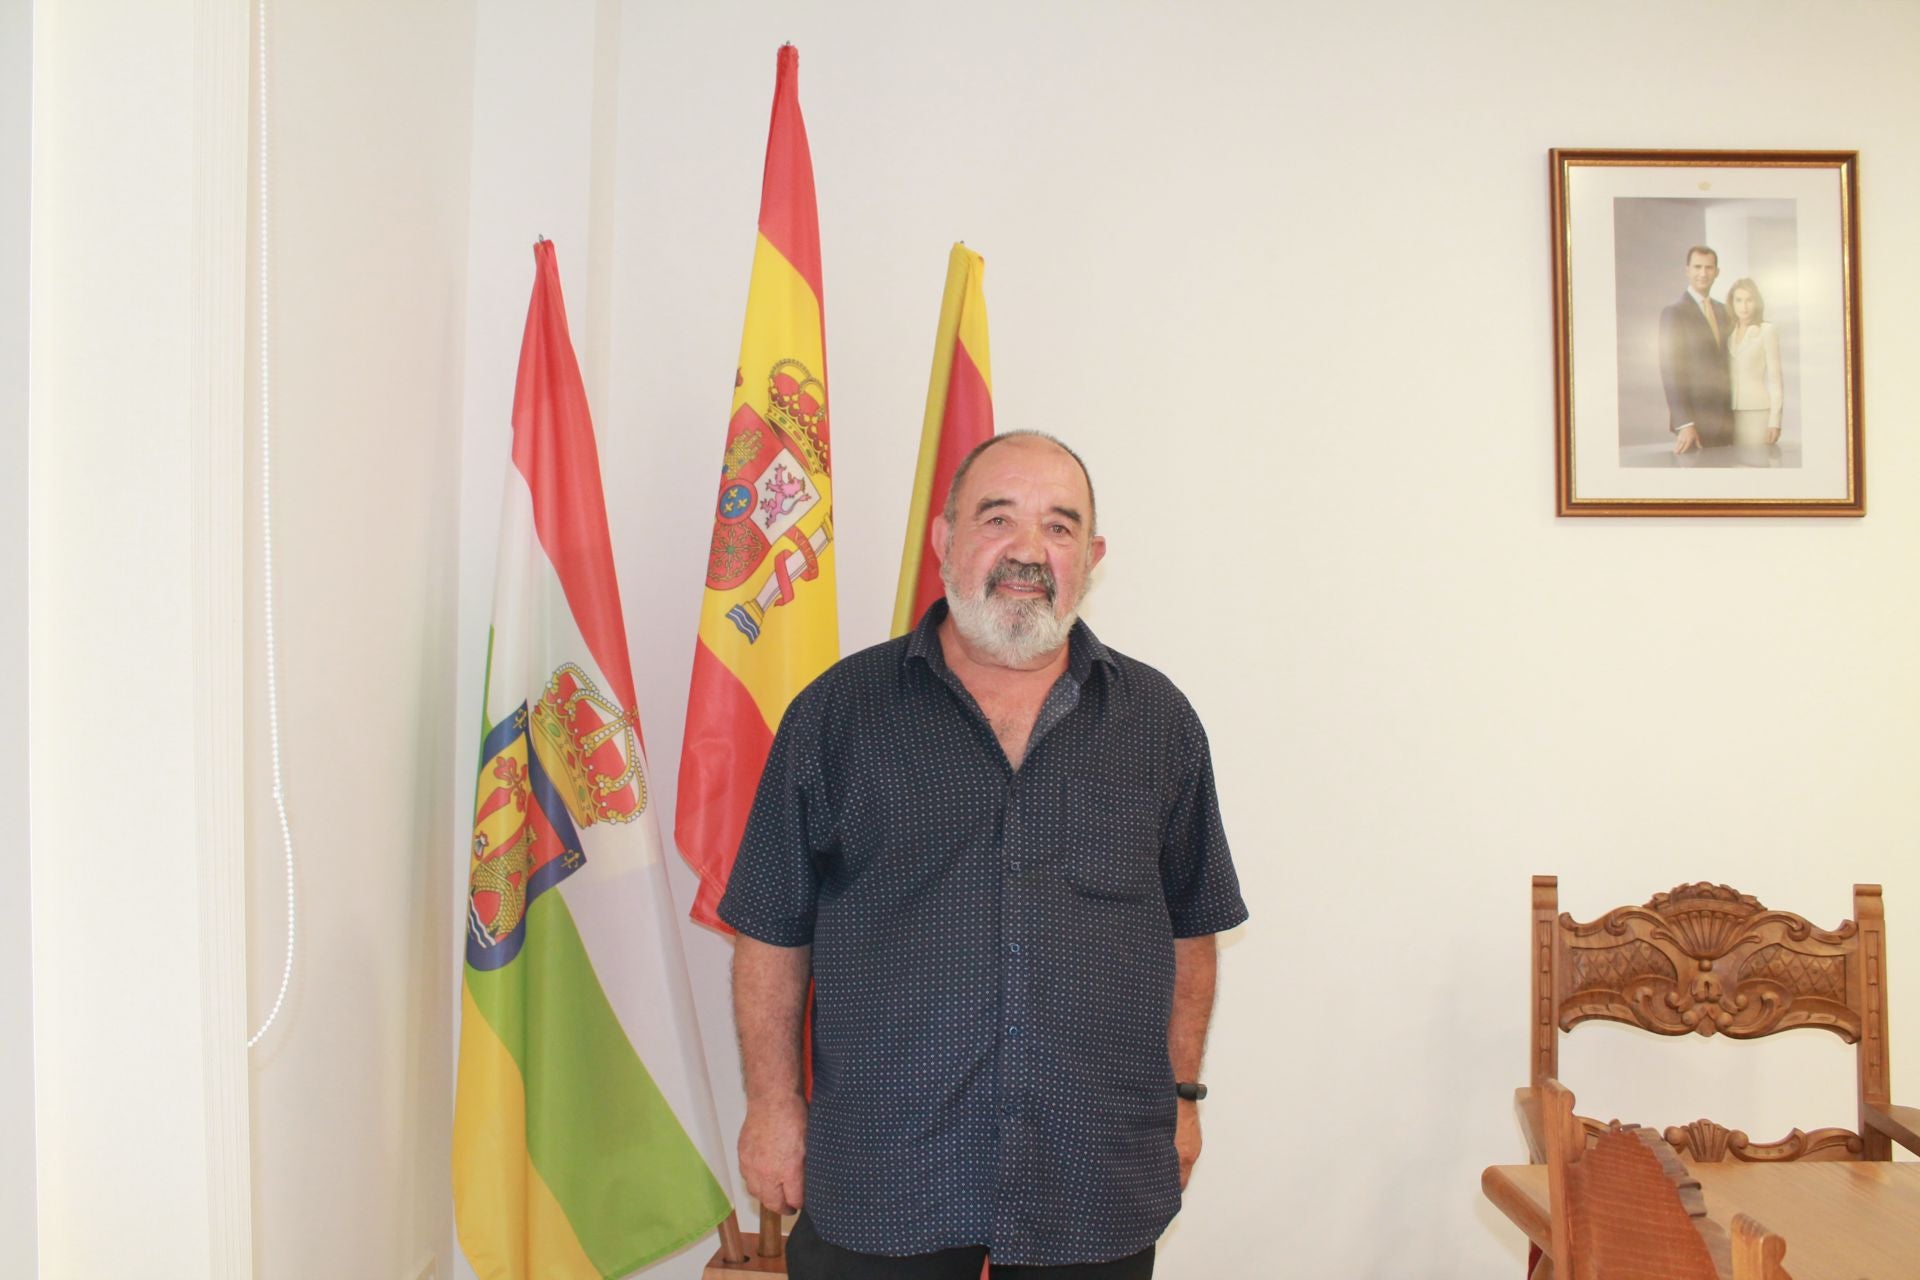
{"points": [[1031, 575]]}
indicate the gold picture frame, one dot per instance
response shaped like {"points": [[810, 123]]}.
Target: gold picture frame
{"points": [[1742, 400]]}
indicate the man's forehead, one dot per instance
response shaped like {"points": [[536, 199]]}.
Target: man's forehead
{"points": [[989, 474]]}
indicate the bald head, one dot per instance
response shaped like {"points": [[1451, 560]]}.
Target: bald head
{"points": [[1026, 439]]}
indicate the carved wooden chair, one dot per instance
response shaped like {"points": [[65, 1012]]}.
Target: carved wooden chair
{"points": [[1623, 1204], [1706, 960]]}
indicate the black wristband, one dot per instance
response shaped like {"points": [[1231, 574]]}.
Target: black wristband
{"points": [[1191, 1091]]}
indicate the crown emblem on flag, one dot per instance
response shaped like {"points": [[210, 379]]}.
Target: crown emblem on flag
{"points": [[797, 405], [589, 748]]}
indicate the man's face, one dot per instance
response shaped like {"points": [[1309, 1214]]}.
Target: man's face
{"points": [[1702, 270], [1019, 555]]}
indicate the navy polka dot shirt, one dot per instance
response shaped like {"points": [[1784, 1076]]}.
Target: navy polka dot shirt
{"points": [[992, 949]]}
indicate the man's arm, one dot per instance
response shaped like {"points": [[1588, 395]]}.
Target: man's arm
{"points": [[1195, 961], [769, 1002], [1672, 357]]}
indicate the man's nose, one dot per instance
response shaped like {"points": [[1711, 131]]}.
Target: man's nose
{"points": [[1027, 546]]}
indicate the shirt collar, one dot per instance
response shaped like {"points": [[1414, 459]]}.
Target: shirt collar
{"points": [[1083, 647]]}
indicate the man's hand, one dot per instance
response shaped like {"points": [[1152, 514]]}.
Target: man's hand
{"points": [[1186, 1138], [1687, 438], [773, 1148], [1773, 436]]}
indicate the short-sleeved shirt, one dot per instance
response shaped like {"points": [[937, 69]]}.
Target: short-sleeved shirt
{"points": [[992, 949]]}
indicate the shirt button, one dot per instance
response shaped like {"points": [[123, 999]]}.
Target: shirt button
{"points": [[1013, 868], [1014, 1032], [1014, 947]]}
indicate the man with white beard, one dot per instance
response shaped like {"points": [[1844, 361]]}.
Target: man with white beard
{"points": [[993, 847]]}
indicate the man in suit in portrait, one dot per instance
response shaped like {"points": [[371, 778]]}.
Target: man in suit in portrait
{"points": [[1693, 359]]}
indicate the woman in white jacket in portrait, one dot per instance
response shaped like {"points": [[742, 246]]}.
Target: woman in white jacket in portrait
{"points": [[1753, 353]]}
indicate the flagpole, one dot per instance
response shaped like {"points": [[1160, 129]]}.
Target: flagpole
{"points": [[732, 1247], [554, 884], [772, 1241], [769, 622]]}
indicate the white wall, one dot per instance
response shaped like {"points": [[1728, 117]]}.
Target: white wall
{"points": [[16, 973], [368, 128]]}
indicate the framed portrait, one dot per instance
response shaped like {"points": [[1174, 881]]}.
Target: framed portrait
{"points": [[1707, 326]]}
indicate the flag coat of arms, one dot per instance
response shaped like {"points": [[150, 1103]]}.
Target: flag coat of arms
{"points": [[959, 416], [769, 619], [582, 1079]]}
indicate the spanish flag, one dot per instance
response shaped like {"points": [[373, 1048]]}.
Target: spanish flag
{"points": [[959, 416], [769, 622], [581, 1070]]}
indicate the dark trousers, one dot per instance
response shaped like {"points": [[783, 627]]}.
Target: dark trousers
{"points": [[811, 1258]]}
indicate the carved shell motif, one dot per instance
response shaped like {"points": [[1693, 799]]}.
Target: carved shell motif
{"points": [[1705, 920], [1703, 1140]]}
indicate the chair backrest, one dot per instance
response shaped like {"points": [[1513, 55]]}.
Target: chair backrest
{"points": [[1623, 1204], [1705, 959]]}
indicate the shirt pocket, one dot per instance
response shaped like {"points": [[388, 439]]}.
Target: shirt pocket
{"points": [[1110, 839]]}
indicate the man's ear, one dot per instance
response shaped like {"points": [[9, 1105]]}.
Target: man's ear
{"points": [[1098, 549], [942, 537]]}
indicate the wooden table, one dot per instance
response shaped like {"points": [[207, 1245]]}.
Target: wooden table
{"points": [[1842, 1219]]}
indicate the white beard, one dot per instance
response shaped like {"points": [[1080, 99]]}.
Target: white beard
{"points": [[1014, 633]]}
